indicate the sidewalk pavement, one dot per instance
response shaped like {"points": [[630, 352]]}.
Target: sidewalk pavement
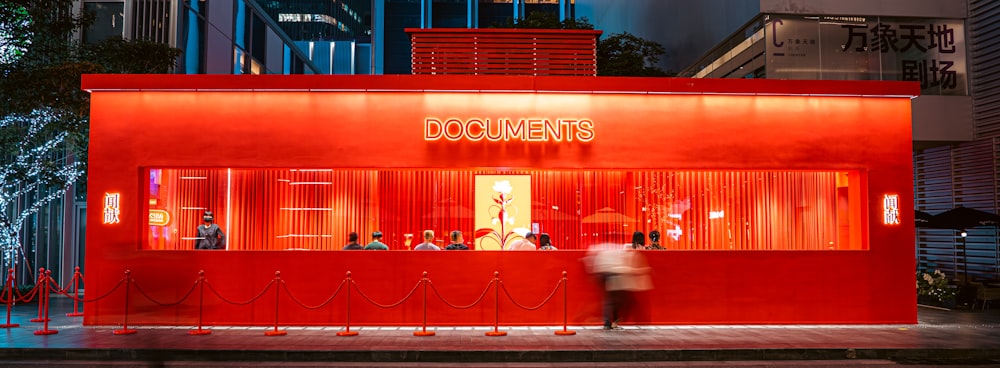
{"points": [[943, 336]]}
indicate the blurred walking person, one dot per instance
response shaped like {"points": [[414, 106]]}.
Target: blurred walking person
{"points": [[621, 273]]}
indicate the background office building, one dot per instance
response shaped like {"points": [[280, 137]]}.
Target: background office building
{"points": [[948, 47], [216, 37], [335, 35]]}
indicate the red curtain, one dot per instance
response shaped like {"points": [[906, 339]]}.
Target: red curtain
{"points": [[315, 209]]}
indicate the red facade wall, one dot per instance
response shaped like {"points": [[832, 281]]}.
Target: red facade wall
{"points": [[139, 122]]}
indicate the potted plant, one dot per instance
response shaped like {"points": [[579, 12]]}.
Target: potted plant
{"points": [[933, 289]]}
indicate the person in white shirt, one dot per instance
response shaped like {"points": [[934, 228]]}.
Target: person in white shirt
{"points": [[428, 243], [528, 243]]}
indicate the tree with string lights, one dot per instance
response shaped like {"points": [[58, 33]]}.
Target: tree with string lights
{"points": [[34, 171], [44, 115]]}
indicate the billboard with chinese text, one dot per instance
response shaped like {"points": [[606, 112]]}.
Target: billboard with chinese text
{"points": [[929, 51]]}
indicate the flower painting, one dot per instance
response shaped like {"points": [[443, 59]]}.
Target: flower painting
{"points": [[503, 210]]}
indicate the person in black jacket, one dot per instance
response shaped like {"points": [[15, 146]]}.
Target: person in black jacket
{"points": [[210, 235], [457, 243]]}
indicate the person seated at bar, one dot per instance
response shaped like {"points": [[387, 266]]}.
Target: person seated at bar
{"points": [[457, 242], [528, 243], [654, 239], [638, 241], [545, 243], [209, 236], [428, 243], [352, 242], [376, 243]]}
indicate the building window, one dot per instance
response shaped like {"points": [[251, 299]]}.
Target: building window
{"points": [[108, 21]]}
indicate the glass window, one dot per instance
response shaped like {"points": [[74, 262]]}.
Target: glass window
{"points": [[108, 21], [449, 13], [315, 209], [193, 37]]}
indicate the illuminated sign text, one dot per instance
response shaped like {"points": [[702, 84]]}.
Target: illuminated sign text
{"points": [[111, 208], [159, 218], [506, 130], [890, 209]]}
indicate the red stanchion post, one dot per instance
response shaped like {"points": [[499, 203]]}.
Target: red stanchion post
{"points": [[10, 299], [201, 305], [128, 285], [565, 331], [44, 298], [423, 331], [348, 331], [77, 278], [38, 284], [496, 322], [277, 297]]}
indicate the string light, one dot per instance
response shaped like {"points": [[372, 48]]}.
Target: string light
{"points": [[35, 168]]}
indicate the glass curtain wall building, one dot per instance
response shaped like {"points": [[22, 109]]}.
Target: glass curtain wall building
{"points": [[335, 35], [201, 29], [391, 47]]}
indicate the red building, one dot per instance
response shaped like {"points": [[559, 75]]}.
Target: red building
{"points": [[780, 201]]}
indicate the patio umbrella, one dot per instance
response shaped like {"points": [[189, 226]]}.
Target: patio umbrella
{"points": [[924, 219], [961, 218]]}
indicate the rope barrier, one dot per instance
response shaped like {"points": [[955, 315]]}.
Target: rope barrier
{"points": [[19, 295], [28, 297], [480, 299], [321, 305], [547, 299], [387, 306], [105, 295], [188, 294], [258, 296], [46, 284], [68, 287]]}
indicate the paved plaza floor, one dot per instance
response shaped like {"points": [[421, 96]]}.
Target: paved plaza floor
{"points": [[940, 336]]}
